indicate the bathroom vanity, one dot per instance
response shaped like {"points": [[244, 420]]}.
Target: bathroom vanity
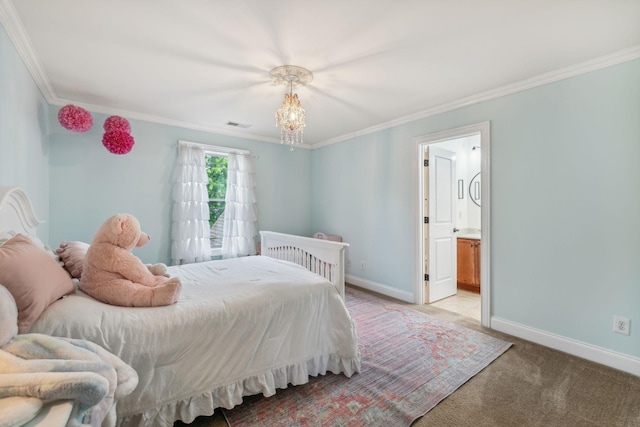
{"points": [[469, 262]]}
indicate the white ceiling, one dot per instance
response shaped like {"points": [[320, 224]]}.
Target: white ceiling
{"points": [[202, 63]]}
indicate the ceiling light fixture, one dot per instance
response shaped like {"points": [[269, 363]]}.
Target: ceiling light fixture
{"points": [[291, 116]]}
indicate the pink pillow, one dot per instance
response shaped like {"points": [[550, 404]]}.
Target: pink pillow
{"points": [[33, 278], [72, 255]]}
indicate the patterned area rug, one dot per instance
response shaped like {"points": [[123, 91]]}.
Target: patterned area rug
{"points": [[410, 362]]}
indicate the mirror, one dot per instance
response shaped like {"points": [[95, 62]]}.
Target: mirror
{"points": [[474, 189]]}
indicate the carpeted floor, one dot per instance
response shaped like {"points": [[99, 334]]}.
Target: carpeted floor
{"points": [[529, 385]]}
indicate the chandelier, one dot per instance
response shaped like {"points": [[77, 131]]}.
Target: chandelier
{"points": [[291, 116]]}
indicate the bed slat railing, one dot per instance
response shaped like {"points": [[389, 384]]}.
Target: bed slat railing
{"points": [[322, 257]]}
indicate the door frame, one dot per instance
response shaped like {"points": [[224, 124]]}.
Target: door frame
{"points": [[483, 129]]}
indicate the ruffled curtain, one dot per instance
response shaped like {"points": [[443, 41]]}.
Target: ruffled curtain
{"points": [[240, 215], [190, 233]]}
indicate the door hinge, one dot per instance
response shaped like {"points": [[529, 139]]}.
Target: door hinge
{"points": [[426, 277], [426, 220], [426, 162]]}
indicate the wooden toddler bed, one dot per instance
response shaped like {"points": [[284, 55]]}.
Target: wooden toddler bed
{"points": [[242, 326]]}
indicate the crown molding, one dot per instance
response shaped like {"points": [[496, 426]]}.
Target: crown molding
{"points": [[20, 39], [605, 61], [15, 30]]}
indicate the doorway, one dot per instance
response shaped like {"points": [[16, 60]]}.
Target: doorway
{"points": [[472, 220]]}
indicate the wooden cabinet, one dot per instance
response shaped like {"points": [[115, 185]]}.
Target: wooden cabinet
{"points": [[469, 264]]}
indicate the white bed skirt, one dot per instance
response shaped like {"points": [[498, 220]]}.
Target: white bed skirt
{"points": [[231, 395]]}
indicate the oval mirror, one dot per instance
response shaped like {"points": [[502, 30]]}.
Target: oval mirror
{"points": [[474, 189]]}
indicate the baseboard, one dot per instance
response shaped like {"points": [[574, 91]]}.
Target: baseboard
{"points": [[587, 351], [379, 288], [591, 352]]}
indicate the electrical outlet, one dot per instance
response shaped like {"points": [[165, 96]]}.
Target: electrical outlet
{"points": [[348, 262], [362, 266], [621, 325]]}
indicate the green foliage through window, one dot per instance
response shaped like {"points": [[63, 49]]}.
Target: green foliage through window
{"points": [[217, 189], [217, 172]]}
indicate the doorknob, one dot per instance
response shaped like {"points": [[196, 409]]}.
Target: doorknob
{"points": [[455, 230]]}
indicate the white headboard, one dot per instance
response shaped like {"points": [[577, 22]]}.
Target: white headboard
{"points": [[16, 213]]}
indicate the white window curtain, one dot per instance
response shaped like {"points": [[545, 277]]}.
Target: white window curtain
{"points": [[240, 215], [190, 232]]}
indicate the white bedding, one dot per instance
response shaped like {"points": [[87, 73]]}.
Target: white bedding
{"points": [[241, 326]]}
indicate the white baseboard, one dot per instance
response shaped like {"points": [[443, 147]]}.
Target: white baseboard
{"points": [[594, 353], [587, 351], [379, 288]]}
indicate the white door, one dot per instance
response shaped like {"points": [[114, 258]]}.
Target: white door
{"points": [[442, 221]]}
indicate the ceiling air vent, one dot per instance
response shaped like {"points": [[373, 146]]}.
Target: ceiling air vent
{"points": [[238, 125]]}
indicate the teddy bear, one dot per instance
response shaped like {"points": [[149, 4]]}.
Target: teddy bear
{"points": [[111, 273], [72, 254]]}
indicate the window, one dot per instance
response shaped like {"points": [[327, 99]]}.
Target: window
{"points": [[217, 189], [201, 178]]}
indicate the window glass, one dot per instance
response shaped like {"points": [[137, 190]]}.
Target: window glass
{"points": [[217, 189]]}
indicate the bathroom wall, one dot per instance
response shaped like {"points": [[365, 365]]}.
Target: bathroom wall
{"points": [[467, 166]]}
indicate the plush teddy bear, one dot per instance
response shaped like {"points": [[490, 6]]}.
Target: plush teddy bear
{"points": [[72, 254], [112, 274]]}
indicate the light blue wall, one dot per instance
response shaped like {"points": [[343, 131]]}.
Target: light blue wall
{"points": [[565, 180], [363, 191], [90, 184], [565, 192], [24, 145]]}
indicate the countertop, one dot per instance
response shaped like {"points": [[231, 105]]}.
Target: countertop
{"points": [[469, 236]]}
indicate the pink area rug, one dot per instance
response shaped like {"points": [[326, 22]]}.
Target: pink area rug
{"points": [[410, 362]]}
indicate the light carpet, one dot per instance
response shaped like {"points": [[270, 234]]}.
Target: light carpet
{"points": [[410, 362]]}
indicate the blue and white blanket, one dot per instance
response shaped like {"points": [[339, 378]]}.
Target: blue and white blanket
{"points": [[51, 368]]}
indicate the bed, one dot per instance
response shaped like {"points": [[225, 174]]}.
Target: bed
{"points": [[242, 326]]}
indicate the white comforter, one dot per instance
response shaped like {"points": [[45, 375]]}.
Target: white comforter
{"points": [[241, 326]]}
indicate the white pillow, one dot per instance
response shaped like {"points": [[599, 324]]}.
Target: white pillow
{"points": [[8, 316]]}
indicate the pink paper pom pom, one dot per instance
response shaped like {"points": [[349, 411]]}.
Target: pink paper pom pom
{"points": [[117, 123], [117, 141], [75, 119]]}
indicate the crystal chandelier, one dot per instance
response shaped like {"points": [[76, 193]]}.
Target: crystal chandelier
{"points": [[291, 116], [291, 119]]}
